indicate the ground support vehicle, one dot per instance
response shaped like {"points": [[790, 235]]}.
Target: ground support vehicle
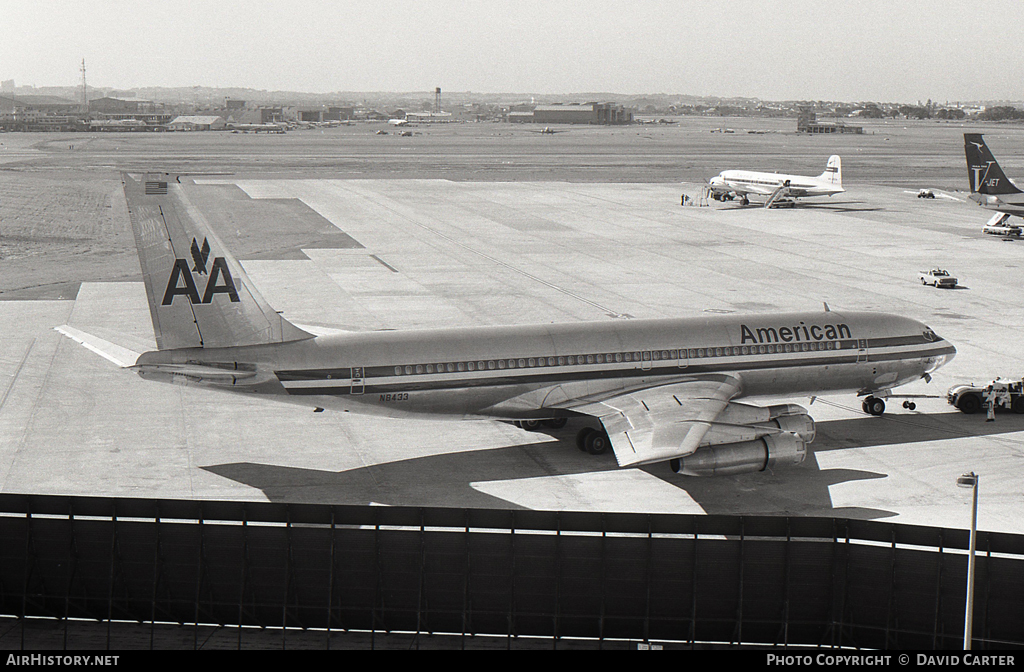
{"points": [[972, 398], [937, 278]]}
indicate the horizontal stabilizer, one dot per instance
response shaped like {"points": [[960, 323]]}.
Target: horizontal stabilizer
{"points": [[123, 357]]}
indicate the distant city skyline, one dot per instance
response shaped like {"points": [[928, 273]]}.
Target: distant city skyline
{"points": [[796, 50]]}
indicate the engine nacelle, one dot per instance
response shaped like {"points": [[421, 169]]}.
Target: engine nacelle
{"points": [[738, 458], [745, 414], [754, 426], [801, 425]]}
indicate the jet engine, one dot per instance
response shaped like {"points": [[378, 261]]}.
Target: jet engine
{"points": [[748, 438], [740, 423], [738, 458]]}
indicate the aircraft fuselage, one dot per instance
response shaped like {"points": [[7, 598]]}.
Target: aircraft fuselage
{"points": [[541, 371], [743, 182], [1011, 204]]}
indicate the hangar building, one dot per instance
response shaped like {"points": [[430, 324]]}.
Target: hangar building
{"points": [[585, 113], [197, 123]]}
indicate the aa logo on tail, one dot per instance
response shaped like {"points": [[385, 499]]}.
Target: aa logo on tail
{"points": [[182, 282], [199, 256]]}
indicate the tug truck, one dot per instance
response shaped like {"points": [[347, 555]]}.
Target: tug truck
{"points": [[971, 398]]}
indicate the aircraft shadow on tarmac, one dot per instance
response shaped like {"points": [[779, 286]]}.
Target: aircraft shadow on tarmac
{"points": [[447, 479], [835, 206]]}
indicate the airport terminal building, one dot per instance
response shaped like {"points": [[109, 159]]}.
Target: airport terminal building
{"points": [[807, 122]]}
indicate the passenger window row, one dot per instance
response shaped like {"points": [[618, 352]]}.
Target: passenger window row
{"points": [[612, 358], [771, 349]]}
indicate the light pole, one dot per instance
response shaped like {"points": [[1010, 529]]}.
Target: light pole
{"points": [[970, 481]]}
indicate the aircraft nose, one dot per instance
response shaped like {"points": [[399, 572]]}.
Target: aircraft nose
{"points": [[944, 356]]}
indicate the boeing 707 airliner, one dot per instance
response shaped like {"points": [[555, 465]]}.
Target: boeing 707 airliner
{"points": [[662, 390]]}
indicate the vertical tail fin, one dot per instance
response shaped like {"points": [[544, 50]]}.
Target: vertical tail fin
{"points": [[983, 173], [833, 171], [199, 295]]}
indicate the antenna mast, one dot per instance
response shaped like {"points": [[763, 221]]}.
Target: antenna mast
{"points": [[85, 91]]}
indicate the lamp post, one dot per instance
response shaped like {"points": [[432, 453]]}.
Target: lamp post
{"points": [[970, 481]]}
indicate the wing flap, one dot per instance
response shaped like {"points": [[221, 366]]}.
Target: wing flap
{"points": [[664, 422]]}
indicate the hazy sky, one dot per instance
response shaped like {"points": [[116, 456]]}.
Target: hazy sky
{"points": [[900, 51]]}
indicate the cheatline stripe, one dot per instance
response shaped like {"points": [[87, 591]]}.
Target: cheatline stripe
{"points": [[388, 370], [342, 385], [882, 345]]}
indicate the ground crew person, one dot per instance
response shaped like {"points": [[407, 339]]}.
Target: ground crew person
{"points": [[990, 401]]}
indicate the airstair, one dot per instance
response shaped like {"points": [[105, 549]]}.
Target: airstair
{"points": [[781, 192]]}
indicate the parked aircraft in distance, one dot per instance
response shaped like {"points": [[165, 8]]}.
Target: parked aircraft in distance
{"points": [[398, 122], [257, 128], [775, 187], [990, 188], [654, 390]]}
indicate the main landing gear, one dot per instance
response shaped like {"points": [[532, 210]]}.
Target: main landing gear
{"points": [[873, 405], [589, 440], [537, 425], [593, 441]]}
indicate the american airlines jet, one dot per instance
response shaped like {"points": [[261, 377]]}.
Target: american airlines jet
{"points": [[775, 188], [653, 390]]}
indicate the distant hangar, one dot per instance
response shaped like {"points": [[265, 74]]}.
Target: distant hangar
{"points": [[585, 113]]}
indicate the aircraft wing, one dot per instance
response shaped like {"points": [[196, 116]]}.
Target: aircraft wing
{"points": [[664, 422]]}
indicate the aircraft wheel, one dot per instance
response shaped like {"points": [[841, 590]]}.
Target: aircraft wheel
{"points": [[555, 423], [581, 438], [530, 425], [596, 443], [1018, 405], [874, 406]]}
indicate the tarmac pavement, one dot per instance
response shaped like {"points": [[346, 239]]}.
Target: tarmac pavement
{"points": [[426, 253]]}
